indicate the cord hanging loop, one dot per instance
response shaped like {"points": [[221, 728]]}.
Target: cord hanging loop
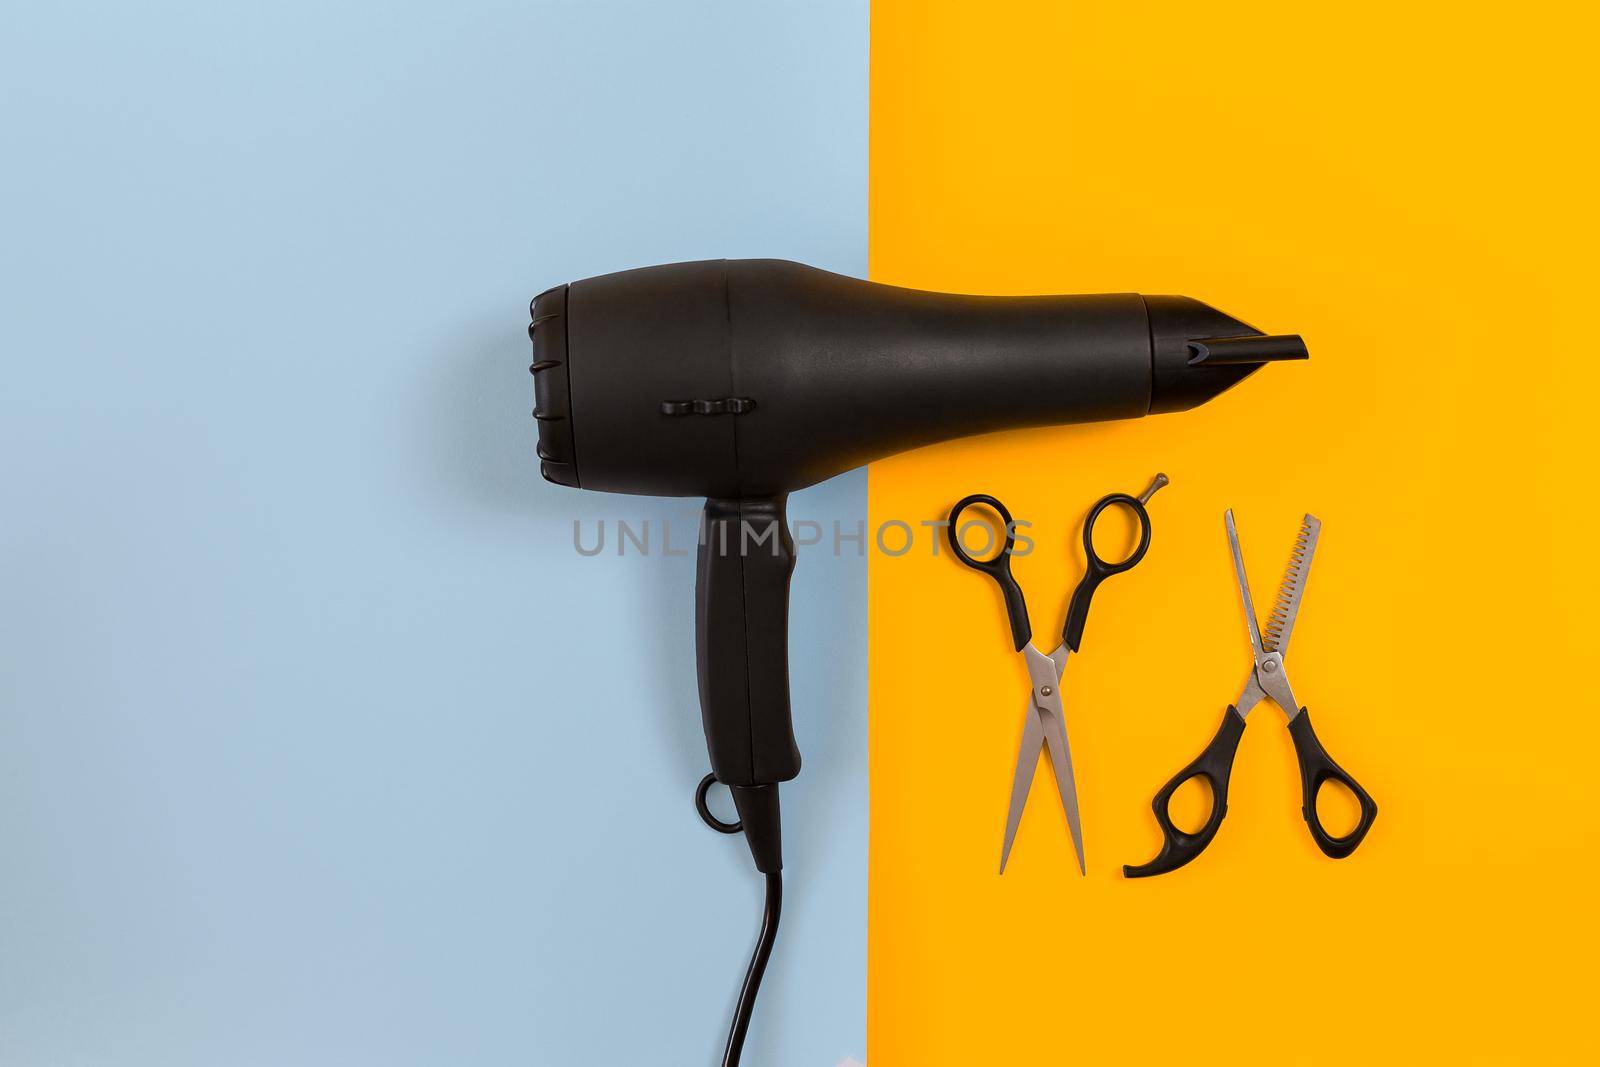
{"points": [[705, 812]]}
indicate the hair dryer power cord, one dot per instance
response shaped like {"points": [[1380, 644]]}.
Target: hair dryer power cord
{"points": [[759, 821], [758, 967]]}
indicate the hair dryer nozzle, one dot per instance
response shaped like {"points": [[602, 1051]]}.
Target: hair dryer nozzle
{"points": [[1198, 353], [1254, 348]]}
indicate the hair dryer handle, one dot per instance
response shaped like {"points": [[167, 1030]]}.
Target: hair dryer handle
{"points": [[742, 641]]}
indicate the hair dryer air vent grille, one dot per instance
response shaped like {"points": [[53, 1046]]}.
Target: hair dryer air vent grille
{"points": [[552, 403]]}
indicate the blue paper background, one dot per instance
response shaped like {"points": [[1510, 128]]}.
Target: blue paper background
{"points": [[319, 744]]}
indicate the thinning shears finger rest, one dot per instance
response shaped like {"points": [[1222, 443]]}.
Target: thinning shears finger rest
{"points": [[1043, 719], [1267, 679]]}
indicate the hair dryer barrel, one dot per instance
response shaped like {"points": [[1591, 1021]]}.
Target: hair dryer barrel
{"points": [[750, 378]]}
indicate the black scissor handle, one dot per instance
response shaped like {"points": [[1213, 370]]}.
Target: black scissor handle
{"points": [[1215, 765], [998, 567], [1316, 769], [1097, 569]]}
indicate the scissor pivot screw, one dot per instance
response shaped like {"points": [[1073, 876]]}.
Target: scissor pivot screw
{"points": [[1270, 666], [1045, 690]]}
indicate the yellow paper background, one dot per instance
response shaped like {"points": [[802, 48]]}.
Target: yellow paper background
{"points": [[1409, 187]]}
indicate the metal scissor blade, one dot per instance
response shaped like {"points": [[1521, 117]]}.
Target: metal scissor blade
{"points": [[1022, 778], [1055, 733], [1280, 623], [1244, 582]]}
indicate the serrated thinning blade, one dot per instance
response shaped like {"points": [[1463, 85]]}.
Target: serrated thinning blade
{"points": [[1280, 623]]}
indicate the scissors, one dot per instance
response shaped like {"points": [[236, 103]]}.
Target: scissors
{"points": [[1043, 724], [1267, 679]]}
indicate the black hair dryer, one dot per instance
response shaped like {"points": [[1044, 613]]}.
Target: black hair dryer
{"points": [[742, 380]]}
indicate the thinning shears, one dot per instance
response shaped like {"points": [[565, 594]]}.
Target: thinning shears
{"points": [[1267, 679], [1043, 722]]}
